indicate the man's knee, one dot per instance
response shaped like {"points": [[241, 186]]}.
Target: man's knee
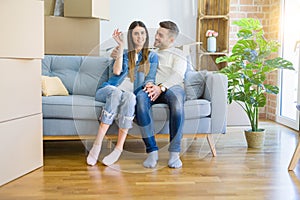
{"points": [[142, 100], [176, 96], [141, 96], [142, 104]]}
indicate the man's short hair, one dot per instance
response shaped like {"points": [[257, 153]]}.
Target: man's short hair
{"points": [[171, 26]]}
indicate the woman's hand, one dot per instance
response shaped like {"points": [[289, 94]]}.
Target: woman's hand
{"points": [[118, 37]]}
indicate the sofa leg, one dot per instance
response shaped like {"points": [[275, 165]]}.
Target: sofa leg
{"points": [[212, 145]]}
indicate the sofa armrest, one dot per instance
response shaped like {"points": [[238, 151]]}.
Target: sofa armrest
{"points": [[216, 92]]}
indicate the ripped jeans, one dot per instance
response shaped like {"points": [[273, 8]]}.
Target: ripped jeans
{"points": [[119, 105]]}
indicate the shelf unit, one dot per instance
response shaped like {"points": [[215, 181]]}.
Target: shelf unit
{"points": [[212, 15]]}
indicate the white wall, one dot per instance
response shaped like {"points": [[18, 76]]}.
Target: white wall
{"points": [[151, 12]]}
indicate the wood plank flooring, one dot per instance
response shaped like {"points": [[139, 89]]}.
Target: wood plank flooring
{"points": [[237, 173]]}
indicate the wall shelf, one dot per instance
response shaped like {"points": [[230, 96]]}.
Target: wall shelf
{"points": [[212, 15], [225, 17]]}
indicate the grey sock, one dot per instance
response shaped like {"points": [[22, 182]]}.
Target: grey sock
{"points": [[174, 160], [93, 155], [112, 157], [151, 160]]}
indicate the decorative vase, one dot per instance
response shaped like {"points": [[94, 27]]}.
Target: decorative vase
{"points": [[255, 139], [211, 44]]}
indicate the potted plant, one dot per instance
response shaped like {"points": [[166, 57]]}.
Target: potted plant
{"points": [[248, 66]]}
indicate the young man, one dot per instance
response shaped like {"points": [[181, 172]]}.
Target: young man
{"points": [[169, 90]]}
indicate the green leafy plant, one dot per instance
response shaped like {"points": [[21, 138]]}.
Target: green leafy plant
{"points": [[248, 67]]}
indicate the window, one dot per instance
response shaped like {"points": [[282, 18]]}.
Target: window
{"points": [[289, 80]]}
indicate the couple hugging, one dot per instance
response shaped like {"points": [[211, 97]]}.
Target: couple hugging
{"points": [[142, 78]]}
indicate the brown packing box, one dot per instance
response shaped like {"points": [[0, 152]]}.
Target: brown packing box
{"points": [[72, 36], [49, 6], [22, 29], [87, 8]]}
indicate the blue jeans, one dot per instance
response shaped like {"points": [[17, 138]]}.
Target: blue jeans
{"points": [[175, 98], [118, 104]]}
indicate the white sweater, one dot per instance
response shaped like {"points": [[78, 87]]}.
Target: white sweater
{"points": [[172, 67]]}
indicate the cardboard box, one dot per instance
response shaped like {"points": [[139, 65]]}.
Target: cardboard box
{"points": [[22, 29], [49, 6], [72, 36], [20, 86], [21, 149], [87, 8]]}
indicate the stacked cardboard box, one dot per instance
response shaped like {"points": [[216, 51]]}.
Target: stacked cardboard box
{"points": [[78, 31], [49, 7], [22, 48], [71, 36], [87, 8]]}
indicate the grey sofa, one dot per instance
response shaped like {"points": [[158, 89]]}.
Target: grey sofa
{"points": [[77, 114]]}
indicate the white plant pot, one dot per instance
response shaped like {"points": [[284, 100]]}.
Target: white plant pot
{"points": [[211, 44]]}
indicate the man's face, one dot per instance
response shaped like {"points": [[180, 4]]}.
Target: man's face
{"points": [[162, 38]]}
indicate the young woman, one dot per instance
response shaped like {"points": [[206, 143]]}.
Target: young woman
{"points": [[133, 69]]}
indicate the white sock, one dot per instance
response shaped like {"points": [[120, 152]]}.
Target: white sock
{"points": [[93, 155], [151, 160], [112, 157], [174, 160]]}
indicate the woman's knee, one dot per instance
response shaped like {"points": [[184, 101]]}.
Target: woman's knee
{"points": [[129, 97], [116, 93], [113, 97]]}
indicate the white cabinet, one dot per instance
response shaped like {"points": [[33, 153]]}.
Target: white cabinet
{"points": [[22, 28], [22, 48], [20, 86], [21, 149]]}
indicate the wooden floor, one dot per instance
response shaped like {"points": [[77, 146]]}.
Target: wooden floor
{"points": [[236, 173]]}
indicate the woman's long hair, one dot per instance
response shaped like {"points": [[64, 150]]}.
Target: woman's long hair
{"points": [[144, 64]]}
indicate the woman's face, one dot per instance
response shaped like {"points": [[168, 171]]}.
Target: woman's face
{"points": [[139, 37]]}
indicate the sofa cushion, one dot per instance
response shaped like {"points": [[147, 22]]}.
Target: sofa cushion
{"points": [[85, 107], [80, 74], [64, 67], [93, 72], [193, 109], [71, 107], [53, 86], [194, 84], [191, 126]]}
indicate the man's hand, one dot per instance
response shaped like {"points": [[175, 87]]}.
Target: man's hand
{"points": [[153, 91], [115, 53]]}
